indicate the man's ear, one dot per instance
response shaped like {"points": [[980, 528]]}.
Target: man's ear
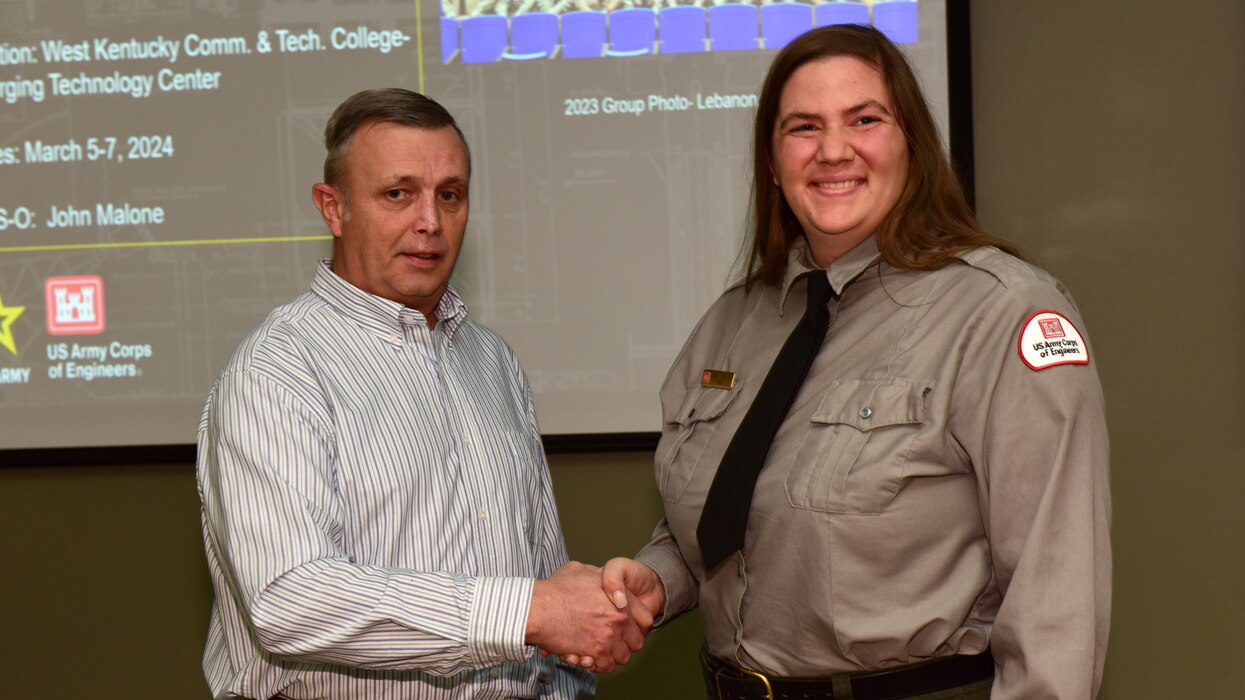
{"points": [[332, 205]]}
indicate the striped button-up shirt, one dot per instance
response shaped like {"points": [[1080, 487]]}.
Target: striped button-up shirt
{"points": [[376, 508]]}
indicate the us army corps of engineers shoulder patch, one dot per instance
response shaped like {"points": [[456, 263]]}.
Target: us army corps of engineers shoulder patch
{"points": [[1048, 339]]}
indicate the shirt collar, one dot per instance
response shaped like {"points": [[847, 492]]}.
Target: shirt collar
{"points": [[841, 272], [380, 316]]}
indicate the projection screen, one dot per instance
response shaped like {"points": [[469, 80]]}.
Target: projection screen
{"points": [[157, 158]]}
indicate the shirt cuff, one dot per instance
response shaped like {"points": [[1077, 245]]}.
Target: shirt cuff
{"points": [[499, 610], [681, 593]]}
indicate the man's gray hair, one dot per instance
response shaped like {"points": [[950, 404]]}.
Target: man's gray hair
{"points": [[395, 105]]}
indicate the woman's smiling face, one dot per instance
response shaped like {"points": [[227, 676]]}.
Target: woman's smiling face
{"points": [[839, 155]]}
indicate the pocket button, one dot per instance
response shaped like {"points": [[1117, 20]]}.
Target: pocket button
{"points": [[866, 412]]}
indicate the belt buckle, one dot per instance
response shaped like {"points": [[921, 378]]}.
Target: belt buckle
{"points": [[769, 690]]}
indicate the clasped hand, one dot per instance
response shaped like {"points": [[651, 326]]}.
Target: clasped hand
{"points": [[592, 617]]}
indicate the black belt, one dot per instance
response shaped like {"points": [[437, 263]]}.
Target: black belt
{"points": [[727, 681]]}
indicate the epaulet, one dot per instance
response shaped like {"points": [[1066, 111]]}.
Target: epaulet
{"points": [[1008, 270]]}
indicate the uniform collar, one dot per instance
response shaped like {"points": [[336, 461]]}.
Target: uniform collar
{"points": [[841, 272], [380, 316]]}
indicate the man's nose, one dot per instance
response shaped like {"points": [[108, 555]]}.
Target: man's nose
{"points": [[427, 216]]}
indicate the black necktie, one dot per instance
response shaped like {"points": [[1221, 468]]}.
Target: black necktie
{"points": [[725, 517]]}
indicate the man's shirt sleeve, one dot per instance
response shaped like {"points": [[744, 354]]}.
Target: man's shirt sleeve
{"points": [[569, 682]]}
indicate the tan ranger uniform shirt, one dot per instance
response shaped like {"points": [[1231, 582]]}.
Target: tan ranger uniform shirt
{"points": [[929, 493]]}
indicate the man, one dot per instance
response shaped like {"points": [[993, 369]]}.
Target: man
{"points": [[376, 507]]}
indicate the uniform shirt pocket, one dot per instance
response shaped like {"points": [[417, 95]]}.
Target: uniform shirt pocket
{"points": [[852, 458], [686, 434]]}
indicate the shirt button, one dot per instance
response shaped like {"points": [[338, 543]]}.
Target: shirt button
{"points": [[484, 516], [866, 412]]}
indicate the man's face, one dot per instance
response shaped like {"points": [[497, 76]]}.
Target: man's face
{"points": [[400, 234], [839, 154]]}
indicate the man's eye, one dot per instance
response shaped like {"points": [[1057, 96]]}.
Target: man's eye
{"points": [[448, 196], [393, 194]]}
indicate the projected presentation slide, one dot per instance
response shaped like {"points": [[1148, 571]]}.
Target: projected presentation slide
{"points": [[157, 159]]}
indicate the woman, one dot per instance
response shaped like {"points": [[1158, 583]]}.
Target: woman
{"points": [[931, 518]]}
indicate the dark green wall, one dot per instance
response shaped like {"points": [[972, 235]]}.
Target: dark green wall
{"points": [[1110, 141], [104, 591]]}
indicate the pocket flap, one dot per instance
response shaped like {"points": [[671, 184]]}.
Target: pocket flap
{"points": [[701, 404], [866, 404]]}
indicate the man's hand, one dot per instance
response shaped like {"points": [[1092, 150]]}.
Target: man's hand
{"points": [[571, 617], [634, 587]]}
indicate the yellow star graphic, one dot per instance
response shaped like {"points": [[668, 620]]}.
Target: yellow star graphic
{"points": [[8, 314]]}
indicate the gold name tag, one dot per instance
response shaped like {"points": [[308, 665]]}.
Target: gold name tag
{"points": [[718, 379]]}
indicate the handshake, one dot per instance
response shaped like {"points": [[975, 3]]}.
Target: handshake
{"points": [[595, 617]]}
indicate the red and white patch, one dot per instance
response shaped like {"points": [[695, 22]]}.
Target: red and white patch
{"points": [[1049, 339]]}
